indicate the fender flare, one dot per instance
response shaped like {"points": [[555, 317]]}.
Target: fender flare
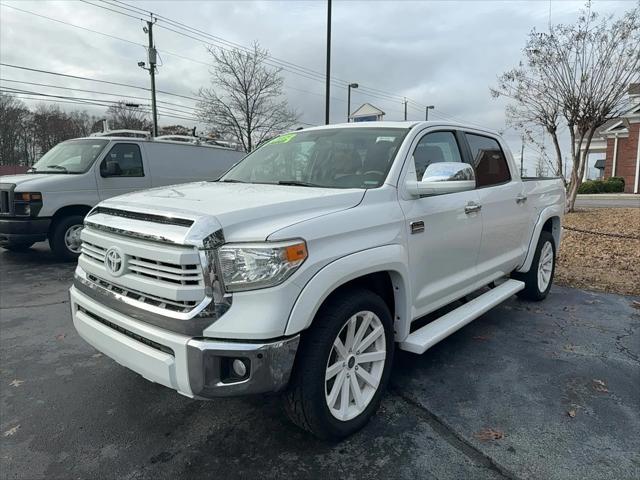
{"points": [[547, 213], [389, 258]]}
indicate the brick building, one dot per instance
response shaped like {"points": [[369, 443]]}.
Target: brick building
{"points": [[618, 140]]}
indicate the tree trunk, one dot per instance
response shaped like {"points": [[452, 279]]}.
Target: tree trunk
{"points": [[559, 165], [579, 169]]}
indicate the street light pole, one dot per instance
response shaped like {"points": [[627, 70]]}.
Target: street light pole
{"points": [[349, 87], [328, 80], [405, 109], [426, 111]]}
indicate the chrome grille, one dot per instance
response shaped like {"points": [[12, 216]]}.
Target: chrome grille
{"points": [[179, 274], [167, 304], [5, 204]]}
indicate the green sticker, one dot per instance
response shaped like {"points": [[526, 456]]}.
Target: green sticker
{"points": [[282, 139]]}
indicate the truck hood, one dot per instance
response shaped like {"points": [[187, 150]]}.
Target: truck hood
{"points": [[44, 182], [245, 211]]}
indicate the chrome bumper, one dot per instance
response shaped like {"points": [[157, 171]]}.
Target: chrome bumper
{"points": [[195, 367], [268, 365]]}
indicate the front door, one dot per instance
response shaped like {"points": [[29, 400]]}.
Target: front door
{"points": [[443, 234], [122, 171]]}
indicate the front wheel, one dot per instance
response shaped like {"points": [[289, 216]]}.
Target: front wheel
{"points": [[539, 278], [343, 365], [65, 237]]}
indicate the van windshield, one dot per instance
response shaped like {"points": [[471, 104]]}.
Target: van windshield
{"points": [[72, 156], [331, 158]]}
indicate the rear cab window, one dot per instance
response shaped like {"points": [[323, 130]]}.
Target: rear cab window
{"points": [[488, 160]]}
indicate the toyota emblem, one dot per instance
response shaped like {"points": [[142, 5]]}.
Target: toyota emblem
{"points": [[114, 261]]}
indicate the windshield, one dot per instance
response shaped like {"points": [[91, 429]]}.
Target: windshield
{"points": [[72, 156], [333, 158]]}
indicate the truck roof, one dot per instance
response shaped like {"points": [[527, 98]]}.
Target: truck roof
{"points": [[403, 124]]}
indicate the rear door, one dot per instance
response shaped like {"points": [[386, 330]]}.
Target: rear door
{"points": [[443, 236], [504, 207], [122, 170]]}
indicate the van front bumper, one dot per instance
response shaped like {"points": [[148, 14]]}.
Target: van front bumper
{"points": [[195, 367], [23, 230]]}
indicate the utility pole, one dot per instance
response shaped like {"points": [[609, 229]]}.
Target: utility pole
{"points": [[522, 159], [405, 109], [152, 72], [328, 79]]}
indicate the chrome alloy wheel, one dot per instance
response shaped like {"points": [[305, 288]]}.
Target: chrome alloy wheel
{"points": [[545, 266], [355, 365], [72, 238]]}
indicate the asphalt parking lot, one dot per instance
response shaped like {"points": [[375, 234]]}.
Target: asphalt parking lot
{"points": [[528, 391]]}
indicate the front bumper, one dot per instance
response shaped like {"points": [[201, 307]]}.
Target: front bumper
{"points": [[23, 230], [195, 367]]}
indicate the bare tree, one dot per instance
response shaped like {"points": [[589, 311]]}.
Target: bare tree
{"points": [[577, 75], [245, 97], [13, 122], [122, 116]]}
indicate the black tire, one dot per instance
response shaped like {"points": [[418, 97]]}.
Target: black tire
{"points": [[57, 237], [17, 247], [532, 290], [304, 400]]}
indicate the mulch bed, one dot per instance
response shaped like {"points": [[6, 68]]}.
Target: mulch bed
{"points": [[607, 263]]}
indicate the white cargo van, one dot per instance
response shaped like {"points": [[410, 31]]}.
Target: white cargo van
{"points": [[51, 200]]}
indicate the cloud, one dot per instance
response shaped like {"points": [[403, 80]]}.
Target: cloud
{"points": [[443, 53]]}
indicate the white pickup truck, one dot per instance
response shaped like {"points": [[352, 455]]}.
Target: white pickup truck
{"points": [[307, 264]]}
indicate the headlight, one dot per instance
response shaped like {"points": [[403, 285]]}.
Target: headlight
{"points": [[249, 266], [27, 203]]}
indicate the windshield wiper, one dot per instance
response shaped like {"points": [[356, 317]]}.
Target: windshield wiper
{"points": [[60, 167], [231, 180], [297, 183]]}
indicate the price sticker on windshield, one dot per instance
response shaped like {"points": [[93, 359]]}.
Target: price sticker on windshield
{"points": [[282, 139]]}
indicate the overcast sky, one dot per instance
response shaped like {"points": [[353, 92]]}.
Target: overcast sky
{"points": [[443, 53]]}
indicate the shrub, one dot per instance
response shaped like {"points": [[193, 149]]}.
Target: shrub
{"points": [[610, 185]]}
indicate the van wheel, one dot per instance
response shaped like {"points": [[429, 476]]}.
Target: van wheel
{"points": [[343, 366], [65, 237], [539, 278]]}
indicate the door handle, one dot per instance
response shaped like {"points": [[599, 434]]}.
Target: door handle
{"points": [[521, 198], [472, 207]]}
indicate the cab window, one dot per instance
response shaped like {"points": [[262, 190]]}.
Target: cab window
{"points": [[433, 148], [123, 160], [489, 161]]}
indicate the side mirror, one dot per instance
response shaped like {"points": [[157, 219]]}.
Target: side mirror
{"points": [[444, 177]]}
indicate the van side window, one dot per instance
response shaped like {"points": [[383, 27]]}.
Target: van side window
{"points": [[488, 160], [123, 160], [433, 148]]}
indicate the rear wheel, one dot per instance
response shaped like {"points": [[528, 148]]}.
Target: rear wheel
{"points": [[65, 237], [343, 366], [539, 278]]}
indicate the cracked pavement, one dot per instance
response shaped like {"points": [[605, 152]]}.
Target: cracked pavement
{"points": [[529, 390]]}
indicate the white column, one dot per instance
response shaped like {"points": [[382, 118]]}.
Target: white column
{"points": [[586, 168], [615, 156], [635, 189]]}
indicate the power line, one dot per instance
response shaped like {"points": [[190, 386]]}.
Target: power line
{"points": [[88, 91], [78, 77], [26, 95], [284, 64]]}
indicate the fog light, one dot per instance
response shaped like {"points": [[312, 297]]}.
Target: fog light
{"points": [[239, 368]]}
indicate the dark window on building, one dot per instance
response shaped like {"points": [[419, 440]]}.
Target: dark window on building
{"points": [[123, 160], [488, 160]]}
